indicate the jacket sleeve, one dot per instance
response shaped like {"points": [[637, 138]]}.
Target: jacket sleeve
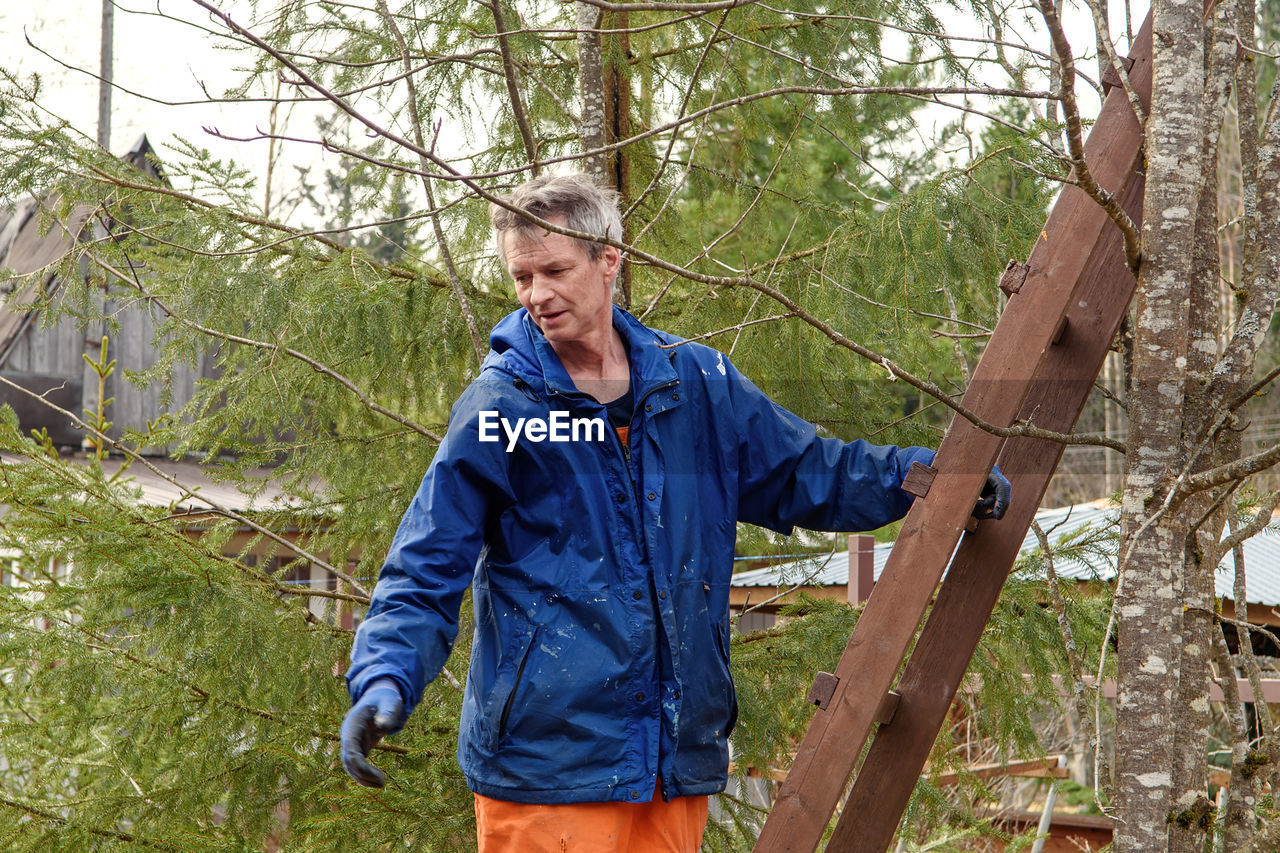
{"points": [[413, 616], [789, 475]]}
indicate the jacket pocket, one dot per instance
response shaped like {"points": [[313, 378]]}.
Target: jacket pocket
{"points": [[720, 630], [505, 716]]}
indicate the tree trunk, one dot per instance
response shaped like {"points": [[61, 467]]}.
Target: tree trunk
{"points": [[618, 109], [1152, 536], [1191, 716], [593, 123]]}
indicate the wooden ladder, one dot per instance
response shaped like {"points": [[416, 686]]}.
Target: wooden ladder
{"points": [[1065, 306]]}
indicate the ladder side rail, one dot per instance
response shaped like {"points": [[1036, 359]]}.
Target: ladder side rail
{"points": [[968, 595], [1001, 383]]}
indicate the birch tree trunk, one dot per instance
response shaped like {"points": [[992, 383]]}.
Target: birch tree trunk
{"points": [[1191, 718], [1152, 538], [593, 122]]}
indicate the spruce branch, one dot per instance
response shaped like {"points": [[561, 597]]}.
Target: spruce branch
{"points": [[820, 562], [280, 246], [212, 504], [292, 234], [448, 172], [685, 99], [1075, 662], [60, 820], [996, 120], [206, 695], [1026, 429], [132, 281], [642, 6], [732, 229], [471, 181], [446, 255], [983, 331], [994, 16], [736, 328], [181, 539], [553, 33]]}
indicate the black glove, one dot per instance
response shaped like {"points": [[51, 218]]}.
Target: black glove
{"points": [[378, 713], [994, 499]]}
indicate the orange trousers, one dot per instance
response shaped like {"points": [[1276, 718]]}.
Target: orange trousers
{"points": [[653, 827]]}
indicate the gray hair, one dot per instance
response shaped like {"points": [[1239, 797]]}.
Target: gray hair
{"points": [[579, 199]]}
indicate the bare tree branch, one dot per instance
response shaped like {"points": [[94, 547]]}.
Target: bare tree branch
{"points": [[464, 303], [1075, 139], [1075, 662], [1099, 10], [1240, 796], [512, 76]]}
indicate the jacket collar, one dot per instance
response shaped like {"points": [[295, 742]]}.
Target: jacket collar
{"points": [[520, 347]]}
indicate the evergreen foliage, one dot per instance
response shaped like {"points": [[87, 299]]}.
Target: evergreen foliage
{"points": [[162, 688]]}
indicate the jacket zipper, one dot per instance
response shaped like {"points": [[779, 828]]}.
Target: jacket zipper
{"points": [[511, 697], [625, 446], [663, 786]]}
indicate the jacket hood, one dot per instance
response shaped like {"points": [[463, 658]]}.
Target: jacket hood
{"points": [[519, 348]]}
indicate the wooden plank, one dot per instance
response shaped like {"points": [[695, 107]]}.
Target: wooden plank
{"points": [[1041, 768], [1001, 384], [968, 595]]}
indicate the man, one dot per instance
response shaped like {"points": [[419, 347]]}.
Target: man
{"points": [[599, 703]]}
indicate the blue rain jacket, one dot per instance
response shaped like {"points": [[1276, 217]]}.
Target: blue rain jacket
{"points": [[600, 663]]}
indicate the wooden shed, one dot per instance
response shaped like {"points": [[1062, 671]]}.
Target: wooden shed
{"points": [[47, 356]]}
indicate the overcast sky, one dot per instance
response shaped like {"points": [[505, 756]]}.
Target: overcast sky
{"points": [[156, 57], [170, 61]]}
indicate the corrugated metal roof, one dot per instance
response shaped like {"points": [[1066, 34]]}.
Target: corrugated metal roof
{"points": [[1084, 537]]}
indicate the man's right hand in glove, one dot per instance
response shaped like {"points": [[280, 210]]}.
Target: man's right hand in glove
{"points": [[378, 713]]}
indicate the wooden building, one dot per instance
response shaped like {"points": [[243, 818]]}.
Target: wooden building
{"points": [[47, 357]]}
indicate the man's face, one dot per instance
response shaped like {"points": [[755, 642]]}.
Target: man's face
{"points": [[565, 292]]}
